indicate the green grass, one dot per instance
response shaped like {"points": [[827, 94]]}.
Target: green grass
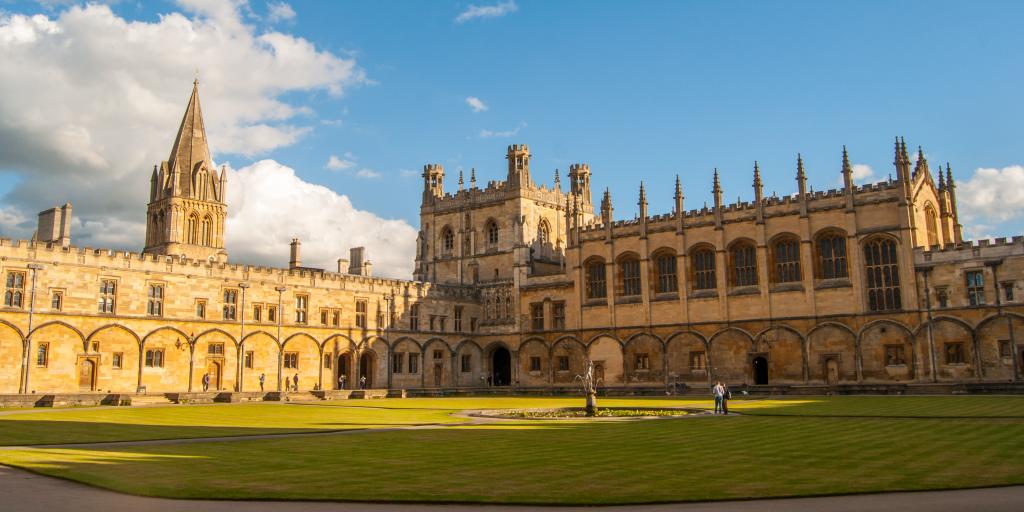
{"points": [[805, 447]]}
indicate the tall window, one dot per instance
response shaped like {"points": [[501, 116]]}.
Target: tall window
{"points": [[301, 309], [642, 362], [1008, 291], [193, 229], [447, 242], [787, 260], [43, 354], [975, 288], [361, 314], [630, 272], [108, 293], [883, 277], [257, 312], [744, 265], [414, 317], [155, 304], [930, 225], [537, 316], [665, 266], [207, 231], [704, 269], [200, 308], [230, 304], [558, 315], [15, 295], [543, 232], [397, 362], [250, 357], [291, 360], [458, 318], [414, 362], [832, 256], [57, 301], [492, 233], [954, 353], [596, 284], [698, 361], [466, 363], [272, 313]]}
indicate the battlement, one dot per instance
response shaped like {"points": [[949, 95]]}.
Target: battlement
{"points": [[429, 169], [579, 168], [518, 148]]}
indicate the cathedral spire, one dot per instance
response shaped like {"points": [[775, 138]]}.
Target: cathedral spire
{"points": [[190, 147]]}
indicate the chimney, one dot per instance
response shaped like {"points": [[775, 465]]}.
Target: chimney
{"points": [[357, 265], [296, 259], [55, 226]]}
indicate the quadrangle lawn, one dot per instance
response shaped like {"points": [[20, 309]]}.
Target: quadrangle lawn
{"points": [[803, 446]]}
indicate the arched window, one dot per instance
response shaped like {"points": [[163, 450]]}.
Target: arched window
{"points": [[447, 242], [193, 229], [831, 256], [665, 273], [744, 264], [703, 269], [629, 276], [492, 233], [883, 275], [786, 255], [543, 232], [207, 231], [931, 225], [596, 284]]}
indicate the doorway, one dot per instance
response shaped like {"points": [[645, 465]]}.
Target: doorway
{"points": [[214, 370], [87, 375], [366, 369], [831, 371], [760, 370], [343, 366], [501, 367]]}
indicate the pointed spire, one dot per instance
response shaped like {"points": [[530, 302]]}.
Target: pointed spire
{"points": [[800, 174], [190, 146], [460, 180], [606, 207], [899, 155], [847, 170], [472, 177], [942, 180], [717, 187], [757, 176], [558, 181], [679, 188], [922, 163], [949, 176], [643, 194]]}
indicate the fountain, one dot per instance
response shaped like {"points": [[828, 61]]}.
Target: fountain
{"points": [[589, 385]]}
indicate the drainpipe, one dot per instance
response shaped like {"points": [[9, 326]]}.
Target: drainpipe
{"points": [[931, 338], [26, 359]]}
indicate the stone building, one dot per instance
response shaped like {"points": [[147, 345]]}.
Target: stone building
{"points": [[517, 284]]}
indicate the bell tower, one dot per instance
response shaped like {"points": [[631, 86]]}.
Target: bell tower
{"points": [[187, 208]]}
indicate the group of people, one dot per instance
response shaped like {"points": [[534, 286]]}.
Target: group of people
{"points": [[290, 383], [341, 381], [722, 396]]}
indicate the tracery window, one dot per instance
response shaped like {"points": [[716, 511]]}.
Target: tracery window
{"points": [[881, 267], [108, 294], [665, 273], [447, 242], [832, 256], [704, 269], [492, 233], [629, 269], [787, 260], [14, 297], [596, 284], [744, 264]]}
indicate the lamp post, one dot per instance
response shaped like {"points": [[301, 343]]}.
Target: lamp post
{"points": [[241, 345], [280, 313], [34, 267]]}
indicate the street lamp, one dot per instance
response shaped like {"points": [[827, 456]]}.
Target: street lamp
{"points": [[280, 314], [241, 345], [28, 334]]}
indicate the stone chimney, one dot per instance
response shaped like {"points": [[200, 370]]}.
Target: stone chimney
{"points": [[358, 265], [296, 258], [55, 226]]}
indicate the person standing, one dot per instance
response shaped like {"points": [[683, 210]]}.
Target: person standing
{"points": [[295, 380], [726, 395], [362, 382], [719, 391], [341, 381], [206, 382], [263, 379]]}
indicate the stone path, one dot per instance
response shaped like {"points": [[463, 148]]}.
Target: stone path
{"points": [[27, 492]]}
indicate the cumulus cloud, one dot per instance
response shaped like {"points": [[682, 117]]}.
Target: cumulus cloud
{"points": [[989, 197], [476, 104], [92, 101], [279, 11], [486, 11], [491, 134], [325, 221], [862, 173], [340, 164]]}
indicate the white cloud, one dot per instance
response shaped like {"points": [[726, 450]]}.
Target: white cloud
{"points": [[325, 221], [279, 11], [91, 101], [368, 173], [486, 11], [989, 197], [490, 134], [340, 164], [408, 173], [862, 173], [476, 104]]}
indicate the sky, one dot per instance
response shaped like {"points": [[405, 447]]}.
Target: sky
{"points": [[326, 112]]}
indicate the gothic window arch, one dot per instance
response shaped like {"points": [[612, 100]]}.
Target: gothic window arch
{"points": [[193, 228], [743, 264], [882, 271], [702, 268], [207, 231], [597, 287], [786, 259], [665, 276], [543, 232], [628, 284], [447, 241], [830, 255], [492, 233], [931, 225]]}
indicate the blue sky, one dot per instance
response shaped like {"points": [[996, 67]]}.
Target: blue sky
{"points": [[647, 90]]}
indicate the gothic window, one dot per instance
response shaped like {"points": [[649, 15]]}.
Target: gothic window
{"points": [[930, 225], [291, 360], [883, 277], [558, 315], [414, 317], [207, 231], [744, 264], [301, 309], [894, 355], [230, 304], [361, 313], [703, 266], [665, 273], [697, 361], [155, 304], [57, 301], [108, 294], [466, 363], [492, 233], [537, 316], [14, 297], [596, 284], [193, 229], [629, 274], [447, 242], [832, 256], [975, 288], [543, 232], [786, 253], [155, 358]]}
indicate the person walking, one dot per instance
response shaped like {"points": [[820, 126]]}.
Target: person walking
{"points": [[206, 382], [295, 380], [719, 391], [263, 379], [726, 396], [362, 382]]}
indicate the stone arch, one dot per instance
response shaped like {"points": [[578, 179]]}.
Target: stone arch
{"points": [[534, 372], [216, 331], [373, 355], [64, 350], [185, 337], [300, 355], [952, 337], [606, 353], [469, 358], [165, 361], [729, 359], [886, 349], [643, 355], [215, 353], [11, 345], [784, 347], [437, 371], [117, 360], [263, 352], [574, 352], [401, 376], [686, 352], [342, 349], [832, 353], [994, 348]]}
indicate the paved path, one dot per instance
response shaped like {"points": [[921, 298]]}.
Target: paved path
{"points": [[27, 492]]}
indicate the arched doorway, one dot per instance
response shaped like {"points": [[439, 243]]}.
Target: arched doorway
{"points": [[760, 370], [366, 369], [87, 375], [214, 370], [831, 371], [343, 371], [501, 367]]}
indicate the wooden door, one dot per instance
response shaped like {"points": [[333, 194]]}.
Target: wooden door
{"points": [[215, 374], [832, 372], [438, 374], [87, 375]]}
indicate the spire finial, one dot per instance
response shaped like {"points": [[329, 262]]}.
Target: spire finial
{"points": [[717, 185], [949, 176], [800, 175], [472, 176], [942, 180], [643, 194], [679, 187]]}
